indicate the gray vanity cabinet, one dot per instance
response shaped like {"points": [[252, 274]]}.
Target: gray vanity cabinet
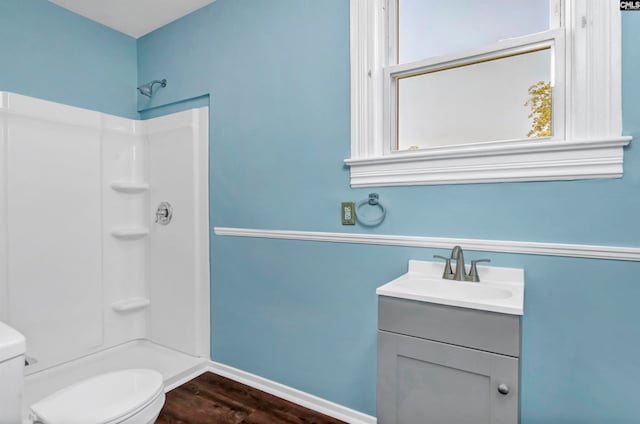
{"points": [[443, 365]]}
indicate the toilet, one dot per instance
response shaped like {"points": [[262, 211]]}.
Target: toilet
{"points": [[131, 396]]}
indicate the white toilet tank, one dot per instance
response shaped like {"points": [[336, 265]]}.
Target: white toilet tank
{"points": [[12, 349]]}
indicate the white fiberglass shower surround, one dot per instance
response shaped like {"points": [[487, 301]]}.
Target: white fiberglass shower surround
{"points": [[86, 274]]}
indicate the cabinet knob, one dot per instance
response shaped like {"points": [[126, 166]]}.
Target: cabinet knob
{"points": [[503, 389]]}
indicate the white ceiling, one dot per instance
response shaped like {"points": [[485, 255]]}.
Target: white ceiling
{"points": [[133, 17]]}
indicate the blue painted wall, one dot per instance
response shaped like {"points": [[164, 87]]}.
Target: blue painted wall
{"points": [[53, 54], [304, 313]]}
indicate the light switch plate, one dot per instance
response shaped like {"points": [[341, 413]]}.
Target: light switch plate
{"points": [[348, 211]]}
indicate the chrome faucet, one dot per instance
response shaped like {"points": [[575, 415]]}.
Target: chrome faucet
{"points": [[460, 273]]}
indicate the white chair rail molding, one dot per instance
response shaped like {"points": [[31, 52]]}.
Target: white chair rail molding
{"points": [[617, 253], [446, 113]]}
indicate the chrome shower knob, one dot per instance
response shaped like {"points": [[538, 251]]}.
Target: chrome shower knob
{"points": [[164, 213]]}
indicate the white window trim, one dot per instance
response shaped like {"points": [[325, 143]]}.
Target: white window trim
{"points": [[590, 144]]}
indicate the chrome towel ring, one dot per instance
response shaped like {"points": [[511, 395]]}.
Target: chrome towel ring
{"points": [[373, 200]]}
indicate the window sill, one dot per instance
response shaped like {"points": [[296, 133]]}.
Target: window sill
{"points": [[498, 162]]}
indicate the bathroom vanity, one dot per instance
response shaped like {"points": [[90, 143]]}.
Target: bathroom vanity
{"points": [[448, 351]]}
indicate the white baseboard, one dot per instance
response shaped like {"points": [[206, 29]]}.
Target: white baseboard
{"points": [[293, 395]]}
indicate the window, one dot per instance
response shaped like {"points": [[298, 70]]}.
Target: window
{"points": [[537, 98]]}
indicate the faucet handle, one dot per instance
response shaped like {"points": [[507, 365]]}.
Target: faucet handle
{"points": [[448, 272], [473, 272]]}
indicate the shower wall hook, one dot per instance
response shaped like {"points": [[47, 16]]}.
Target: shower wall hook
{"points": [[147, 89], [373, 200]]}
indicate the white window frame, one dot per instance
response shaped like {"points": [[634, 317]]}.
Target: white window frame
{"points": [[587, 116]]}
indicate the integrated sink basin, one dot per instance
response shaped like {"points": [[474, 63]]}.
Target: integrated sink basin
{"points": [[449, 289], [499, 290]]}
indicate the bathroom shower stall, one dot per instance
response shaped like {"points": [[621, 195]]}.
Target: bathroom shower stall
{"points": [[104, 249]]}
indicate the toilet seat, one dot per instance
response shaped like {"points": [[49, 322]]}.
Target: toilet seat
{"points": [[105, 399]]}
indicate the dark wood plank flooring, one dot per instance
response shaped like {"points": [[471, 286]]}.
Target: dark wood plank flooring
{"points": [[212, 399]]}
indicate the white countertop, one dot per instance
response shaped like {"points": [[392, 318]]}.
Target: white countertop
{"points": [[499, 290]]}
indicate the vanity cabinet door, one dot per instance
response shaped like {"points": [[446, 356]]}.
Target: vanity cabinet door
{"points": [[426, 382]]}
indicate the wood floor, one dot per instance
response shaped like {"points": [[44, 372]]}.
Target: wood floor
{"points": [[212, 399]]}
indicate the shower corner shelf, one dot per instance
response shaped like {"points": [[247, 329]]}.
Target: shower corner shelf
{"points": [[130, 305], [129, 186], [129, 233]]}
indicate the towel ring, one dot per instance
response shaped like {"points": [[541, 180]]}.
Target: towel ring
{"points": [[372, 201]]}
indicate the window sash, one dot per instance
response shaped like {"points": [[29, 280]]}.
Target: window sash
{"points": [[392, 22], [553, 39]]}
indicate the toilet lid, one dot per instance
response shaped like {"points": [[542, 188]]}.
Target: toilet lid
{"points": [[105, 399]]}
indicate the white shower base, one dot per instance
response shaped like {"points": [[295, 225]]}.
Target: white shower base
{"points": [[175, 367]]}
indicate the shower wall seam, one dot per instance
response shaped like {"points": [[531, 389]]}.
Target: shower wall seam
{"points": [[4, 225]]}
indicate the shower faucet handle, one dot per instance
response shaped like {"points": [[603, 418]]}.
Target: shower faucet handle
{"points": [[164, 213]]}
